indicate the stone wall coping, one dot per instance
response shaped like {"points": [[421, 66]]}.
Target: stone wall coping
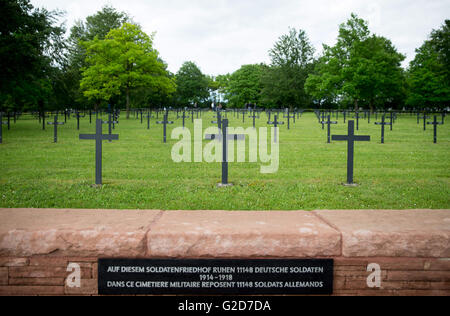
{"points": [[223, 234]]}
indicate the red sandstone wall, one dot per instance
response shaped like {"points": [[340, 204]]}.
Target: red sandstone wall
{"points": [[46, 275], [412, 247]]}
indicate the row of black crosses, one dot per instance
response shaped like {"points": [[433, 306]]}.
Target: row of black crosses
{"points": [[254, 115], [222, 136], [287, 114], [383, 123]]}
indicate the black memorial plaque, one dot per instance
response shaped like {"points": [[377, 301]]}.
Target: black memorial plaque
{"points": [[215, 276]]}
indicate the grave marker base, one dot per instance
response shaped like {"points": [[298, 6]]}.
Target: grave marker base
{"points": [[350, 184], [224, 185]]}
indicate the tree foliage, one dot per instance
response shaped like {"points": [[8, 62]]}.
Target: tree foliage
{"points": [[291, 60], [192, 85], [429, 73], [360, 68], [31, 47], [244, 86], [125, 60], [96, 25]]}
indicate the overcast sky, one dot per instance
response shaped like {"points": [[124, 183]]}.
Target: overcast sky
{"points": [[221, 35]]}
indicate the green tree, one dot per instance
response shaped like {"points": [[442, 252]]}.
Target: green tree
{"points": [[291, 62], [99, 24], [324, 82], [123, 61], [429, 72], [192, 85], [360, 68], [31, 49], [244, 86]]}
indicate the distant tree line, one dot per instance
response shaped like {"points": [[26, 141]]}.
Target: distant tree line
{"points": [[108, 61], [360, 70]]}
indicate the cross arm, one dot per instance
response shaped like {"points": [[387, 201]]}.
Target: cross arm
{"points": [[381, 123], [229, 137], [339, 137], [87, 136], [362, 138], [110, 137], [236, 137], [213, 136]]}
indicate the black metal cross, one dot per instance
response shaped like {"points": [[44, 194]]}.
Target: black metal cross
{"points": [[78, 119], [254, 116], [321, 121], [219, 137], [184, 117], [244, 112], [350, 139], [329, 122], [219, 120], [165, 122], [392, 120], [357, 120], [288, 116], [110, 123], [98, 137], [275, 124], [424, 117], [55, 124], [148, 116], [435, 123], [268, 113], [383, 123]]}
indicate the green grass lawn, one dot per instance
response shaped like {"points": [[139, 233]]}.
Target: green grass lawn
{"points": [[406, 172]]}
